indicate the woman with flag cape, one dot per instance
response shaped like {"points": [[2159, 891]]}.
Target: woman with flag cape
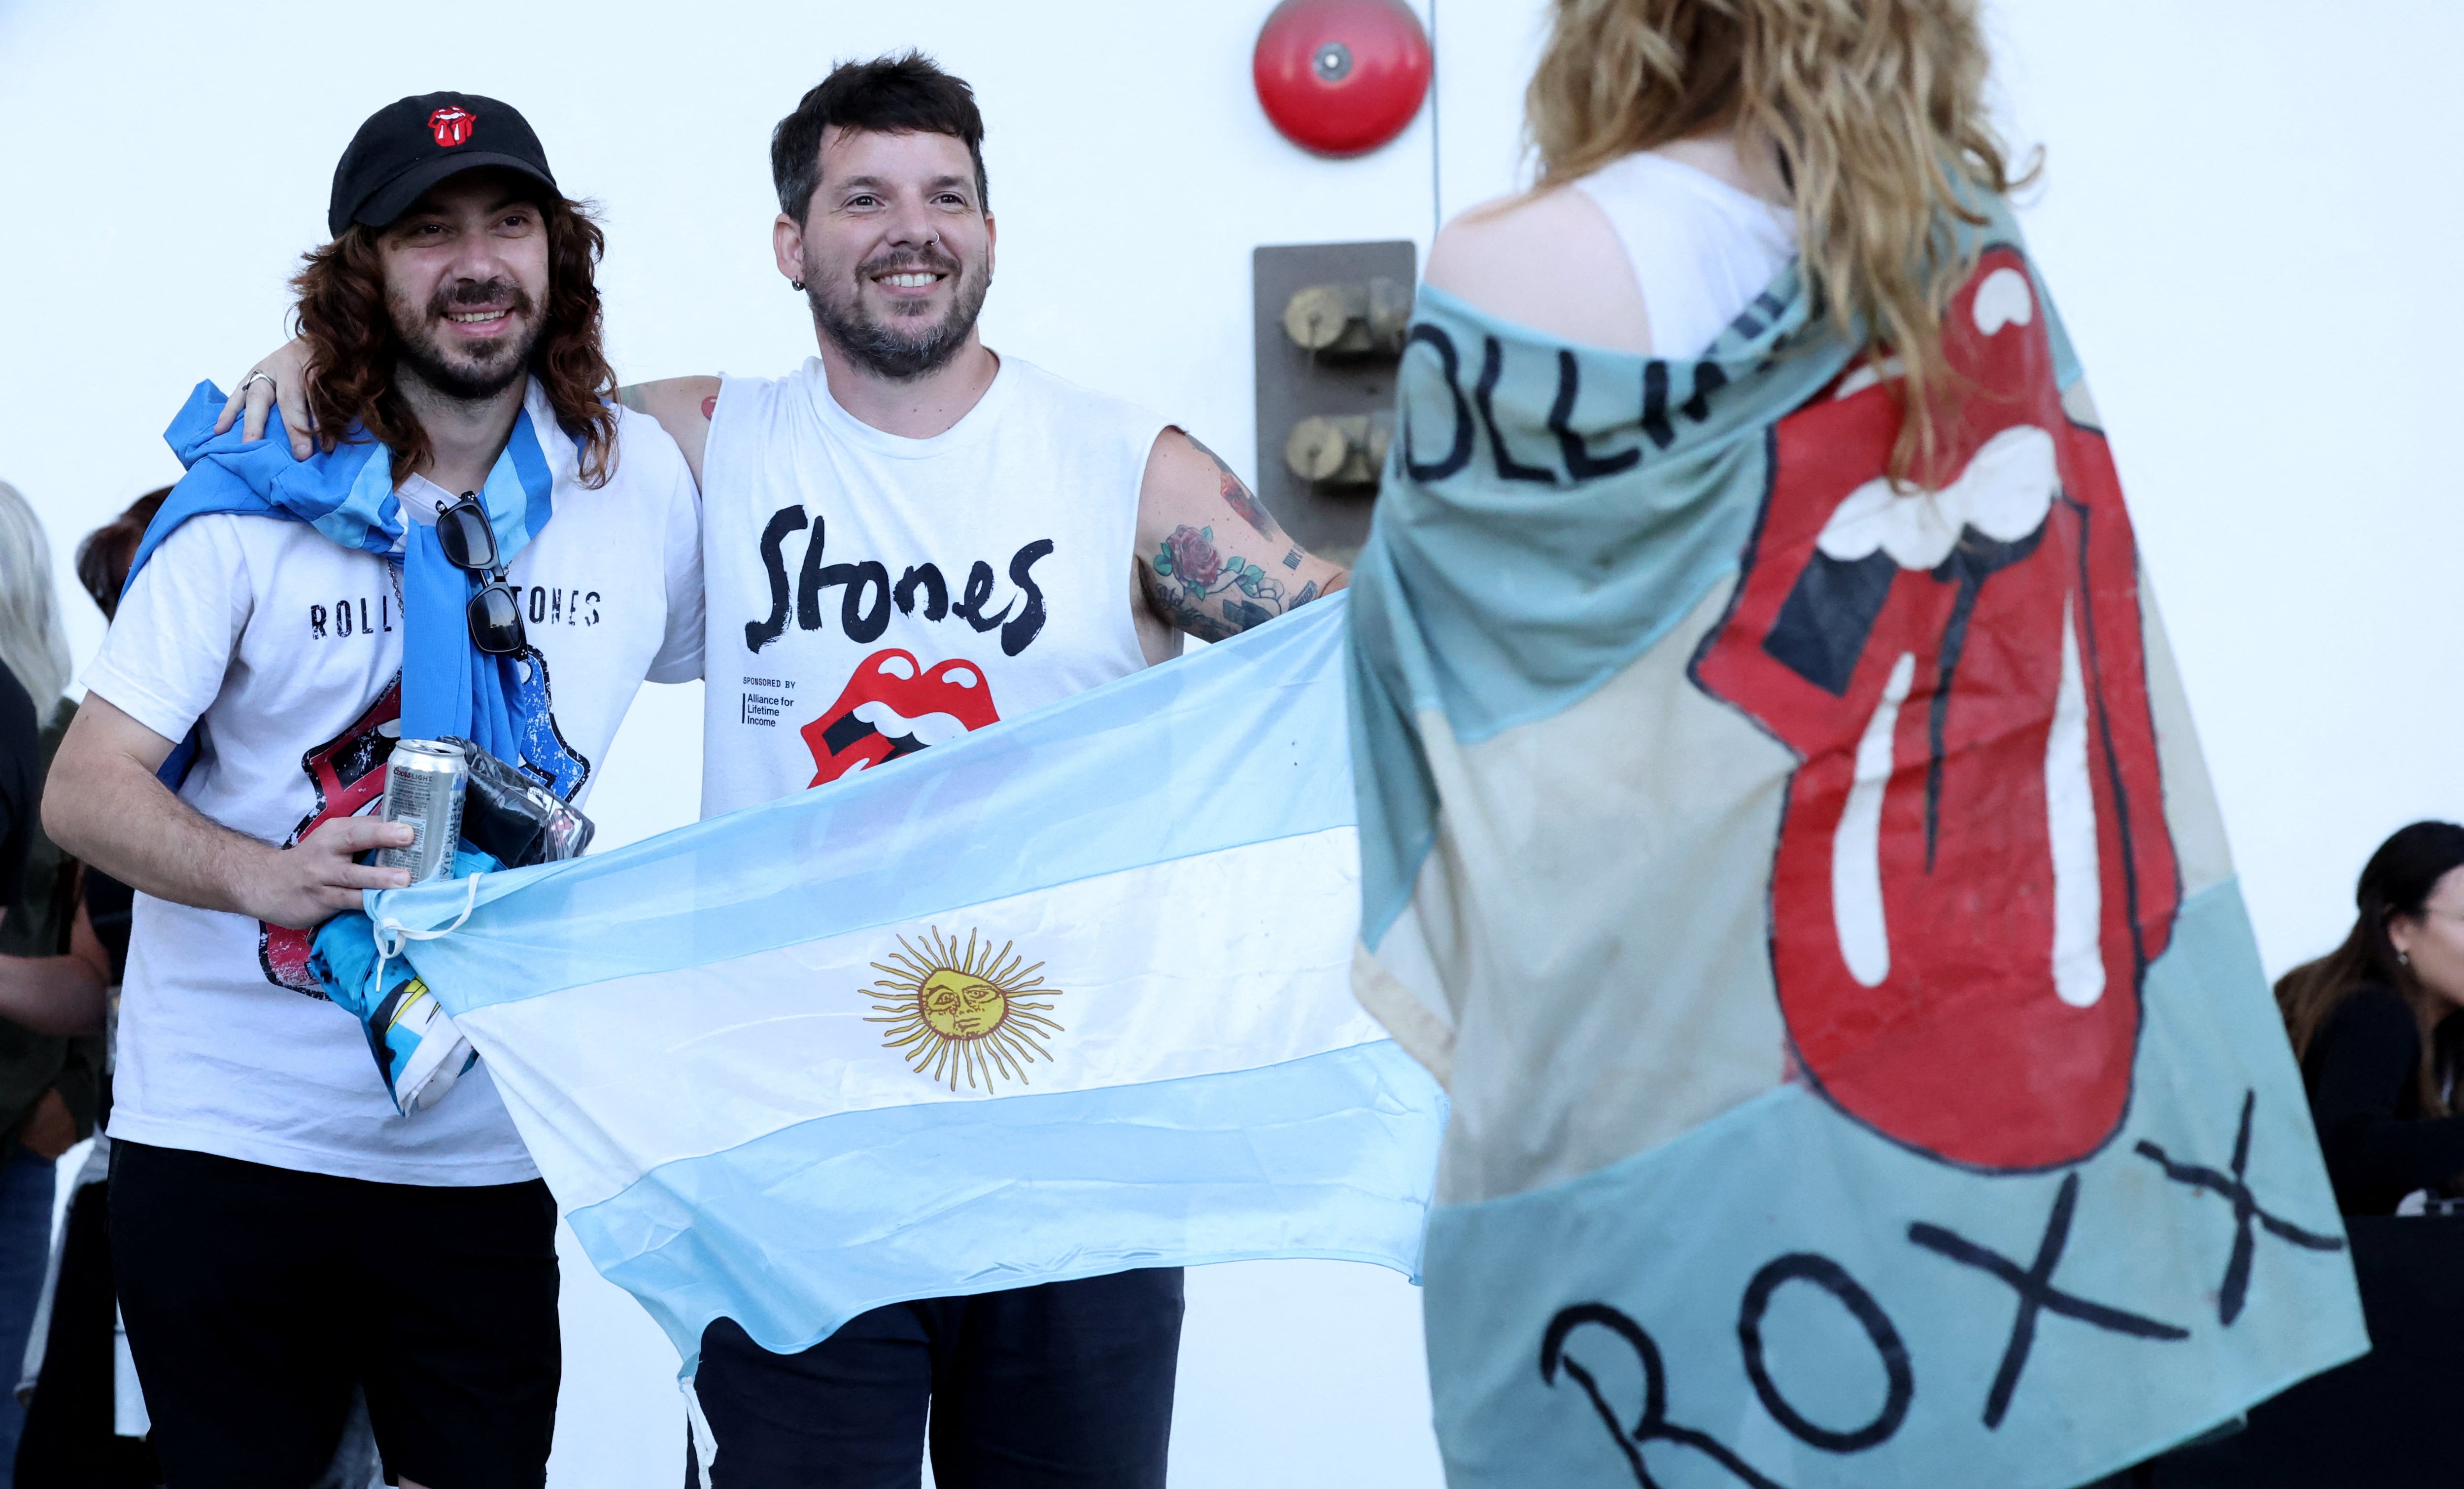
{"points": [[1781, 823]]}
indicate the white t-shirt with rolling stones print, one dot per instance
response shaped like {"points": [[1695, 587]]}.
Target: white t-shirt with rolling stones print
{"points": [[872, 595], [284, 651]]}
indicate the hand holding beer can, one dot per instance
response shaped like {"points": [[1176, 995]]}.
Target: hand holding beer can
{"points": [[424, 782]]}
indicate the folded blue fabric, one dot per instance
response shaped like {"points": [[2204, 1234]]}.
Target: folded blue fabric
{"points": [[418, 1052]]}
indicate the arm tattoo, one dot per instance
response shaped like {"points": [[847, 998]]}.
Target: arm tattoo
{"points": [[1236, 494], [1193, 586]]}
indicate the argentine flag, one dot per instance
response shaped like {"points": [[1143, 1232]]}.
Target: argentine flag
{"points": [[1066, 996]]}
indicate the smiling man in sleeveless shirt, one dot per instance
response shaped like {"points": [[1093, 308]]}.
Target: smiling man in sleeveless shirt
{"points": [[907, 539]]}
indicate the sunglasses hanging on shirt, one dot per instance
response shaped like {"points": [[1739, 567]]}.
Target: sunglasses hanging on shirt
{"points": [[470, 544]]}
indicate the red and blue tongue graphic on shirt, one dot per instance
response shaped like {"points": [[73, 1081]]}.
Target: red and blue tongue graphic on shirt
{"points": [[1973, 869], [348, 772], [893, 706]]}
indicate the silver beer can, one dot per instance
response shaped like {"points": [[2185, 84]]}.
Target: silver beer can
{"points": [[424, 785]]}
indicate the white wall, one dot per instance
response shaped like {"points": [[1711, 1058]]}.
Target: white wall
{"points": [[2245, 219], [2243, 222]]}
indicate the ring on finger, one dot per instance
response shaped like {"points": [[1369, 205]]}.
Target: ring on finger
{"points": [[258, 375]]}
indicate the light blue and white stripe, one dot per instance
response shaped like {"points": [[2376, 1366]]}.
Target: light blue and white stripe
{"points": [[682, 1029]]}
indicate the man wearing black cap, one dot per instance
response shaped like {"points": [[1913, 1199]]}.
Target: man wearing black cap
{"points": [[281, 1233], [952, 528]]}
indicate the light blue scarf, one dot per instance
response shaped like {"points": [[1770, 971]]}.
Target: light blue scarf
{"points": [[449, 686]]}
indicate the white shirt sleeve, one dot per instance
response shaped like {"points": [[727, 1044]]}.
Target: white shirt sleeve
{"points": [[164, 659], [680, 650]]}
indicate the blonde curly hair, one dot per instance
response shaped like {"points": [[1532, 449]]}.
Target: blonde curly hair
{"points": [[1874, 110]]}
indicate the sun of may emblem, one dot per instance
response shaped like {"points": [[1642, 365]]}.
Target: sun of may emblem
{"points": [[963, 1012]]}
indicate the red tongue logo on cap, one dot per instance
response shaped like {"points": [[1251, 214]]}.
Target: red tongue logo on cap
{"points": [[451, 125], [1973, 867]]}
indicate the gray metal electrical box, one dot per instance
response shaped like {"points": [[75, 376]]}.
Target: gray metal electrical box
{"points": [[1329, 321]]}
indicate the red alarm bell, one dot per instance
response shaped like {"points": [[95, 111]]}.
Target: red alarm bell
{"points": [[1341, 77]]}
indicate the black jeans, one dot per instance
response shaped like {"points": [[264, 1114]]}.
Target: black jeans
{"points": [[256, 1297], [1062, 1386]]}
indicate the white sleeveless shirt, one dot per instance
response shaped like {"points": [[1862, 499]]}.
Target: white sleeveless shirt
{"points": [[871, 595], [1702, 249]]}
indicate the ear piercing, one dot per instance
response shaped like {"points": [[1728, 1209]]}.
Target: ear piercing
{"points": [[796, 285]]}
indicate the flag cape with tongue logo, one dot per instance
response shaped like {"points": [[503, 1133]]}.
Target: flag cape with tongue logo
{"points": [[1061, 997], [1811, 891]]}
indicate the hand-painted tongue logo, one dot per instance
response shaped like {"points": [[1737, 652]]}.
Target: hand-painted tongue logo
{"points": [[451, 125], [890, 707], [1974, 868]]}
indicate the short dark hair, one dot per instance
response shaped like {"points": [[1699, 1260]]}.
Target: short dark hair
{"points": [[898, 93]]}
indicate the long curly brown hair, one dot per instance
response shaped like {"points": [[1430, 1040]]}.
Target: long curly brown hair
{"points": [[352, 344], [1875, 109]]}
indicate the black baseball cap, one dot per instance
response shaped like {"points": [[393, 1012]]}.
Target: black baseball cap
{"points": [[412, 144]]}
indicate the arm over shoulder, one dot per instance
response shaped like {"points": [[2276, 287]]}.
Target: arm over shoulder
{"points": [[675, 498], [682, 406]]}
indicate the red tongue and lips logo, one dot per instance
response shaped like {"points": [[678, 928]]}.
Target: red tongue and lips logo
{"points": [[1973, 869], [890, 707], [348, 772], [451, 125]]}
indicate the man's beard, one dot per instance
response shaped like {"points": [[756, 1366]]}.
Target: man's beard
{"points": [[893, 349], [485, 372]]}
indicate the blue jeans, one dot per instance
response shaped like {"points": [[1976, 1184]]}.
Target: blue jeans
{"points": [[28, 1186]]}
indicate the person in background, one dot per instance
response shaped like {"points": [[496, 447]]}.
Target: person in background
{"points": [[79, 1428], [105, 554], [50, 973], [2374, 1023]]}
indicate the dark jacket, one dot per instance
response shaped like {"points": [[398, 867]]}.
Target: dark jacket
{"points": [[39, 885], [2363, 1075]]}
